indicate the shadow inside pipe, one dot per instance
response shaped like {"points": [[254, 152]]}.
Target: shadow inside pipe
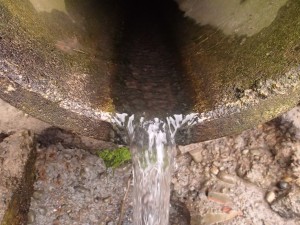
{"points": [[150, 79]]}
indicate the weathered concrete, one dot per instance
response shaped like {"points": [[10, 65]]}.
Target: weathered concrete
{"points": [[66, 62], [17, 158]]}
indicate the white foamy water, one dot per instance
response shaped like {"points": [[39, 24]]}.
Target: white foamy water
{"points": [[152, 144]]}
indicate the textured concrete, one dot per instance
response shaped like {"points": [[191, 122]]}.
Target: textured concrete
{"points": [[17, 157]]}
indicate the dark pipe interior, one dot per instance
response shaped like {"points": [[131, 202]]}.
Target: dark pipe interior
{"points": [[150, 78]]}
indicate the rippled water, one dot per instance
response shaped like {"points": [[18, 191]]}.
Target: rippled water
{"points": [[153, 148]]}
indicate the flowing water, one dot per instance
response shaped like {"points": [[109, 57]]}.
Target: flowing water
{"points": [[152, 144]]}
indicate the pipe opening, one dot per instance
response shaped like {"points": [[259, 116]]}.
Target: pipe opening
{"points": [[150, 77], [67, 61]]}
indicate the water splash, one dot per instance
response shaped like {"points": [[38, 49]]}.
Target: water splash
{"points": [[152, 144]]}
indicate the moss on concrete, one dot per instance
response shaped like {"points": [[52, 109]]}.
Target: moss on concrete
{"points": [[60, 45], [115, 158], [219, 66]]}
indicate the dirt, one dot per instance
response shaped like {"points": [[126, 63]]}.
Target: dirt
{"points": [[257, 171], [251, 178]]}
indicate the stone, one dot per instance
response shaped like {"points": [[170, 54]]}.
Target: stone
{"points": [[288, 206], [16, 176], [256, 152], [283, 185], [213, 218], [196, 155], [227, 178], [214, 170], [245, 151], [219, 198], [270, 196], [37, 194], [31, 217]]}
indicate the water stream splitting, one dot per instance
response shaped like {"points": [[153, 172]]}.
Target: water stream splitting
{"points": [[152, 144]]}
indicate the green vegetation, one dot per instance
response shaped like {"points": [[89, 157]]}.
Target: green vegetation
{"points": [[115, 158]]}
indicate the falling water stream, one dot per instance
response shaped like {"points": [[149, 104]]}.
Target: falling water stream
{"points": [[152, 144]]}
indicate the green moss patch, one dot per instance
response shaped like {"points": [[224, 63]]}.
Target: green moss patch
{"points": [[115, 158]]}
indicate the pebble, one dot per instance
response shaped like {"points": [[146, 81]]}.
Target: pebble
{"points": [[110, 223], [215, 163], [283, 185], [219, 198], [227, 178], [37, 195], [43, 211], [31, 217], [256, 152], [67, 156], [224, 190], [288, 179], [256, 157], [245, 151], [214, 170], [270, 196]]}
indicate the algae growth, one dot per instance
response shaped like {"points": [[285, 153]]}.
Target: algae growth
{"points": [[115, 158]]}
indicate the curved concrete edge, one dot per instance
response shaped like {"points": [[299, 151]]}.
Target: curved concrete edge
{"points": [[51, 112], [228, 120], [257, 105]]}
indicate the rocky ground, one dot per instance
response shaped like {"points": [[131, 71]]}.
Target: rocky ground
{"points": [[251, 178]]}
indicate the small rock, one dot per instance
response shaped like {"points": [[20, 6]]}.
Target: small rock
{"points": [[256, 152], [256, 157], [224, 190], [219, 198], [245, 151], [106, 199], [222, 168], [214, 170], [283, 185], [215, 163], [227, 178], [37, 195], [288, 206], [43, 211], [270, 196], [31, 217], [67, 156], [111, 223], [212, 218], [288, 179]]}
